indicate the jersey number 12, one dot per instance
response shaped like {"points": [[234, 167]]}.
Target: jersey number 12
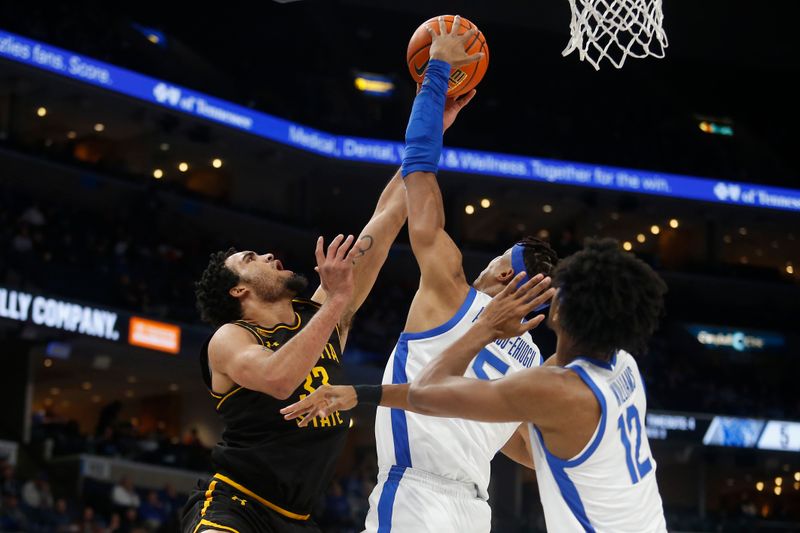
{"points": [[629, 422]]}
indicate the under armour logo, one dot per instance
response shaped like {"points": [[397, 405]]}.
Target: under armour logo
{"points": [[727, 191], [238, 499], [164, 93]]}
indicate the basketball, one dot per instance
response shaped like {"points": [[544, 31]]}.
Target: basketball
{"points": [[462, 79]]}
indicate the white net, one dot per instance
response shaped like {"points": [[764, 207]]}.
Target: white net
{"points": [[616, 29]]}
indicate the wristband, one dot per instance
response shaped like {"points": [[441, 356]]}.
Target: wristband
{"points": [[369, 394], [425, 126]]}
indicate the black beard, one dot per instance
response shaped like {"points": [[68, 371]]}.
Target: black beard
{"points": [[296, 284]]}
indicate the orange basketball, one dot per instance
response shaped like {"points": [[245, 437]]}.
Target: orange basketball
{"points": [[462, 79]]}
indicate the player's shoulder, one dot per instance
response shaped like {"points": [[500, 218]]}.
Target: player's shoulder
{"points": [[581, 383], [231, 336], [563, 383], [562, 393]]}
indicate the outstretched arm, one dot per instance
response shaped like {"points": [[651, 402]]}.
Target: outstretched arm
{"points": [[443, 285], [372, 246], [331, 398]]}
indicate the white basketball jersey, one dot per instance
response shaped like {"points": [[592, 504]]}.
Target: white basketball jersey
{"points": [[452, 448], [611, 484]]}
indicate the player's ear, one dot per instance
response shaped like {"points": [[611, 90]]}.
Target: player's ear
{"points": [[238, 291], [552, 315], [506, 275]]}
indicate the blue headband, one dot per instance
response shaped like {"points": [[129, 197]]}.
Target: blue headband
{"points": [[518, 264]]}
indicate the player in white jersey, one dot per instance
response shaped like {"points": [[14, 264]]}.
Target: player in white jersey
{"points": [[586, 406], [434, 473]]}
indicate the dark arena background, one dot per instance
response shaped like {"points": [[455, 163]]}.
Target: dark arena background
{"points": [[135, 142]]}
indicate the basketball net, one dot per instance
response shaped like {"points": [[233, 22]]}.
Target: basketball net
{"points": [[616, 29]]}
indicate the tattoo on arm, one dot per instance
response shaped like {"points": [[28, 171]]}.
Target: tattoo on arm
{"points": [[366, 245]]}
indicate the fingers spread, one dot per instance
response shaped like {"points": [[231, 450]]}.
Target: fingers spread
{"points": [[351, 255], [342, 251], [334, 246], [539, 300], [530, 324], [534, 285], [511, 288]]}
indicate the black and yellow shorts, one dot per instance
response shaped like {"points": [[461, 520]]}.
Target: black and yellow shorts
{"points": [[222, 504]]}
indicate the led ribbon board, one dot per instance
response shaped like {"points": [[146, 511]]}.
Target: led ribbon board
{"points": [[86, 319], [726, 431], [160, 93], [740, 340]]}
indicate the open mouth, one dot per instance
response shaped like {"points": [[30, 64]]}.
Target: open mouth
{"points": [[278, 265]]}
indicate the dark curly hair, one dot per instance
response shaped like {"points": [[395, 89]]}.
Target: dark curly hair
{"points": [[214, 301], [608, 299], [538, 256]]}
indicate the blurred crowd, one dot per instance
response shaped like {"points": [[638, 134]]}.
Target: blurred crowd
{"points": [[59, 247], [54, 436], [32, 505]]}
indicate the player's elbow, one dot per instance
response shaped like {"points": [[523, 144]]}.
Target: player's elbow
{"points": [[277, 386], [422, 232], [280, 389], [258, 371]]}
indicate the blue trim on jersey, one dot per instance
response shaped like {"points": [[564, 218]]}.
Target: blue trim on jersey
{"points": [[608, 365], [644, 385], [568, 489], [402, 449], [450, 324], [558, 466], [386, 501]]}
